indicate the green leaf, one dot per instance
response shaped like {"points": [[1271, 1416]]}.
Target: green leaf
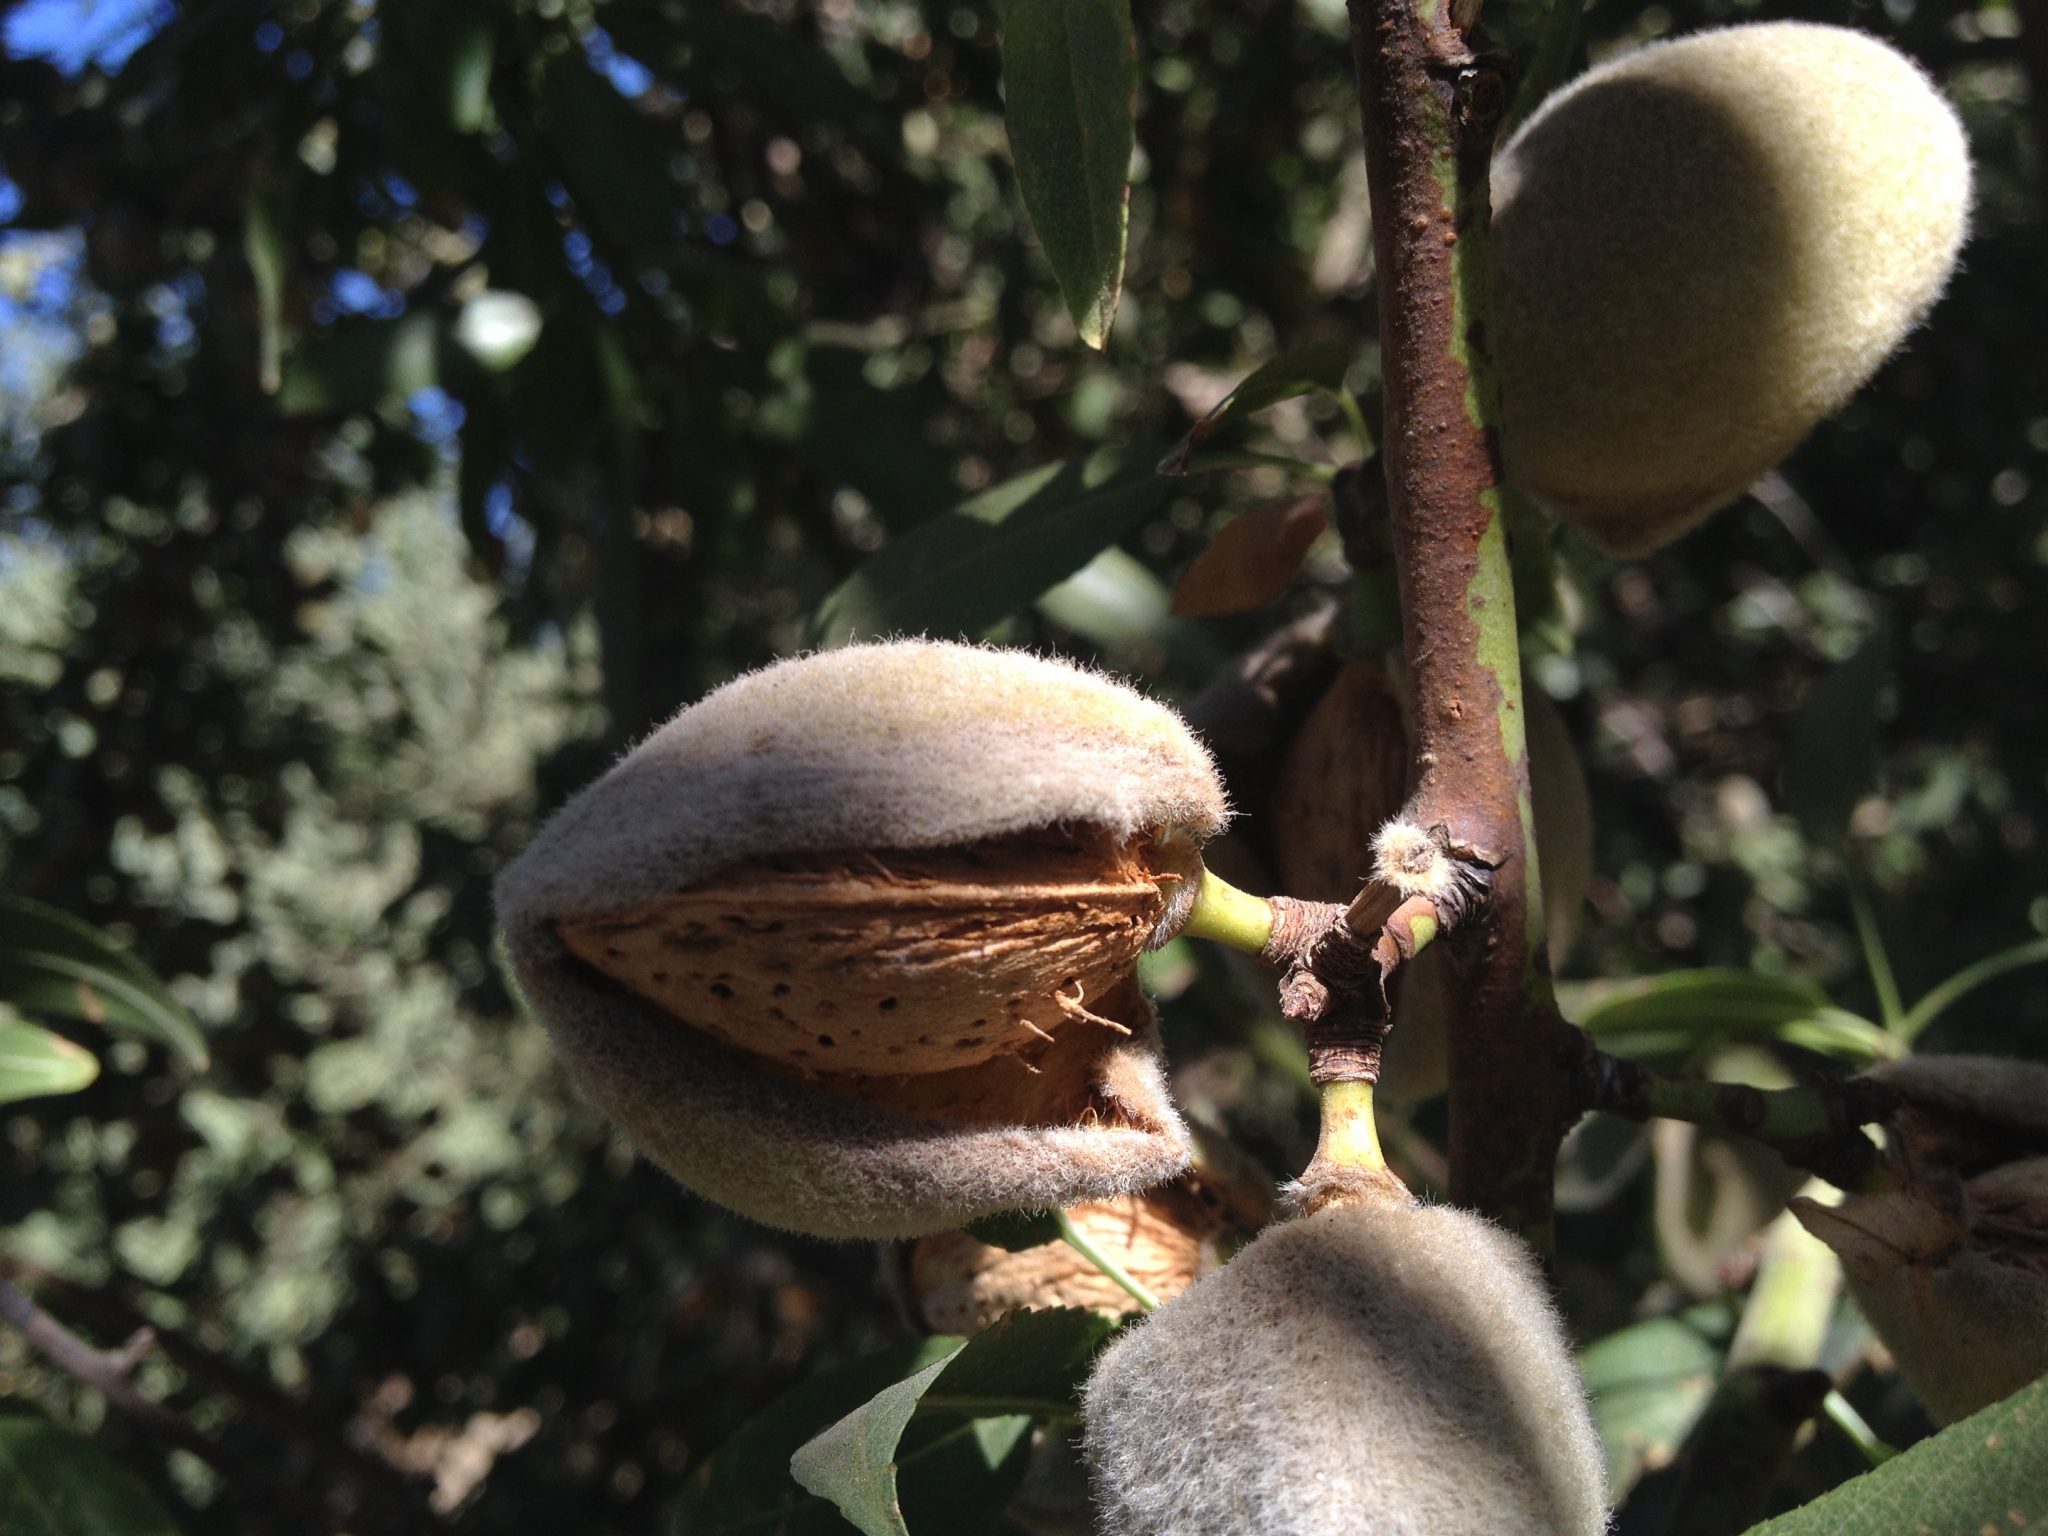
{"points": [[35, 1063], [615, 168], [1315, 367], [978, 563], [1667, 1017], [1031, 1362], [51, 963], [57, 1483], [854, 1462], [1649, 1382], [1069, 81], [744, 1485], [264, 245], [1016, 1230], [1989, 1472], [1030, 1365], [469, 47], [364, 364], [1832, 761]]}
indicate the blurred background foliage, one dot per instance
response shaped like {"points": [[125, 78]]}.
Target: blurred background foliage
{"points": [[404, 406]]}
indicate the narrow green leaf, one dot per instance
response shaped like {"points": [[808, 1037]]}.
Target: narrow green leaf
{"points": [[1315, 367], [57, 1483], [1670, 1016], [744, 1485], [263, 247], [51, 963], [35, 1063], [978, 563], [1832, 760], [469, 50], [1990, 1472], [1069, 81]]}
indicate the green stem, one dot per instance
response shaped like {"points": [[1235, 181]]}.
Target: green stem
{"points": [[1224, 914], [1966, 981], [1843, 1415], [1245, 458], [1890, 1007], [1084, 1245], [1354, 414]]}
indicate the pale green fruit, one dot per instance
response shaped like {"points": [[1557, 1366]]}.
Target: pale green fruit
{"points": [[1703, 248]]}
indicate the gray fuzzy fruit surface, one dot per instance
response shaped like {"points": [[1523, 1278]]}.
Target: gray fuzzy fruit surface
{"points": [[1365, 1371], [907, 745]]}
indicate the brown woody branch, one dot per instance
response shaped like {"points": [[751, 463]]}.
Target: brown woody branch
{"points": [[1432, 96]]}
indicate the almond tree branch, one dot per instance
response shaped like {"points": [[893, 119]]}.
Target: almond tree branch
{"points": [[1432, 94], [1818, 1128], [109, 1372]]}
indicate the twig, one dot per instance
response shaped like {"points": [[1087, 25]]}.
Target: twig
{"points": [[1817, 1128], [109, 1372]]}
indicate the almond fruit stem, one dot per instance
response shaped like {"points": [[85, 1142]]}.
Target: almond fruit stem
{"points": [[1226, 915]]}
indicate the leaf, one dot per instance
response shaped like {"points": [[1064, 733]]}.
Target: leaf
{"points": [[1315, 367], [1069, 82], [1670, 1016], [744, 1485], [1649, 1382], [1832, 761], [263, 246], [469, 47], [1990, 1472], [981, 561], [1015, 1231], [854, 1462], [364, 364], [1252, 560], [51, 963], [615, 168], [1029, 1365], [57, 1483], [35, 1063]]}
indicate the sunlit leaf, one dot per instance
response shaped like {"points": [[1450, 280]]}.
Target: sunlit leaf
{"points": [[745, 1486], [35, 1063], [1069, 78], [1028, 1366], [53, 964], [1666, 1017]]}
